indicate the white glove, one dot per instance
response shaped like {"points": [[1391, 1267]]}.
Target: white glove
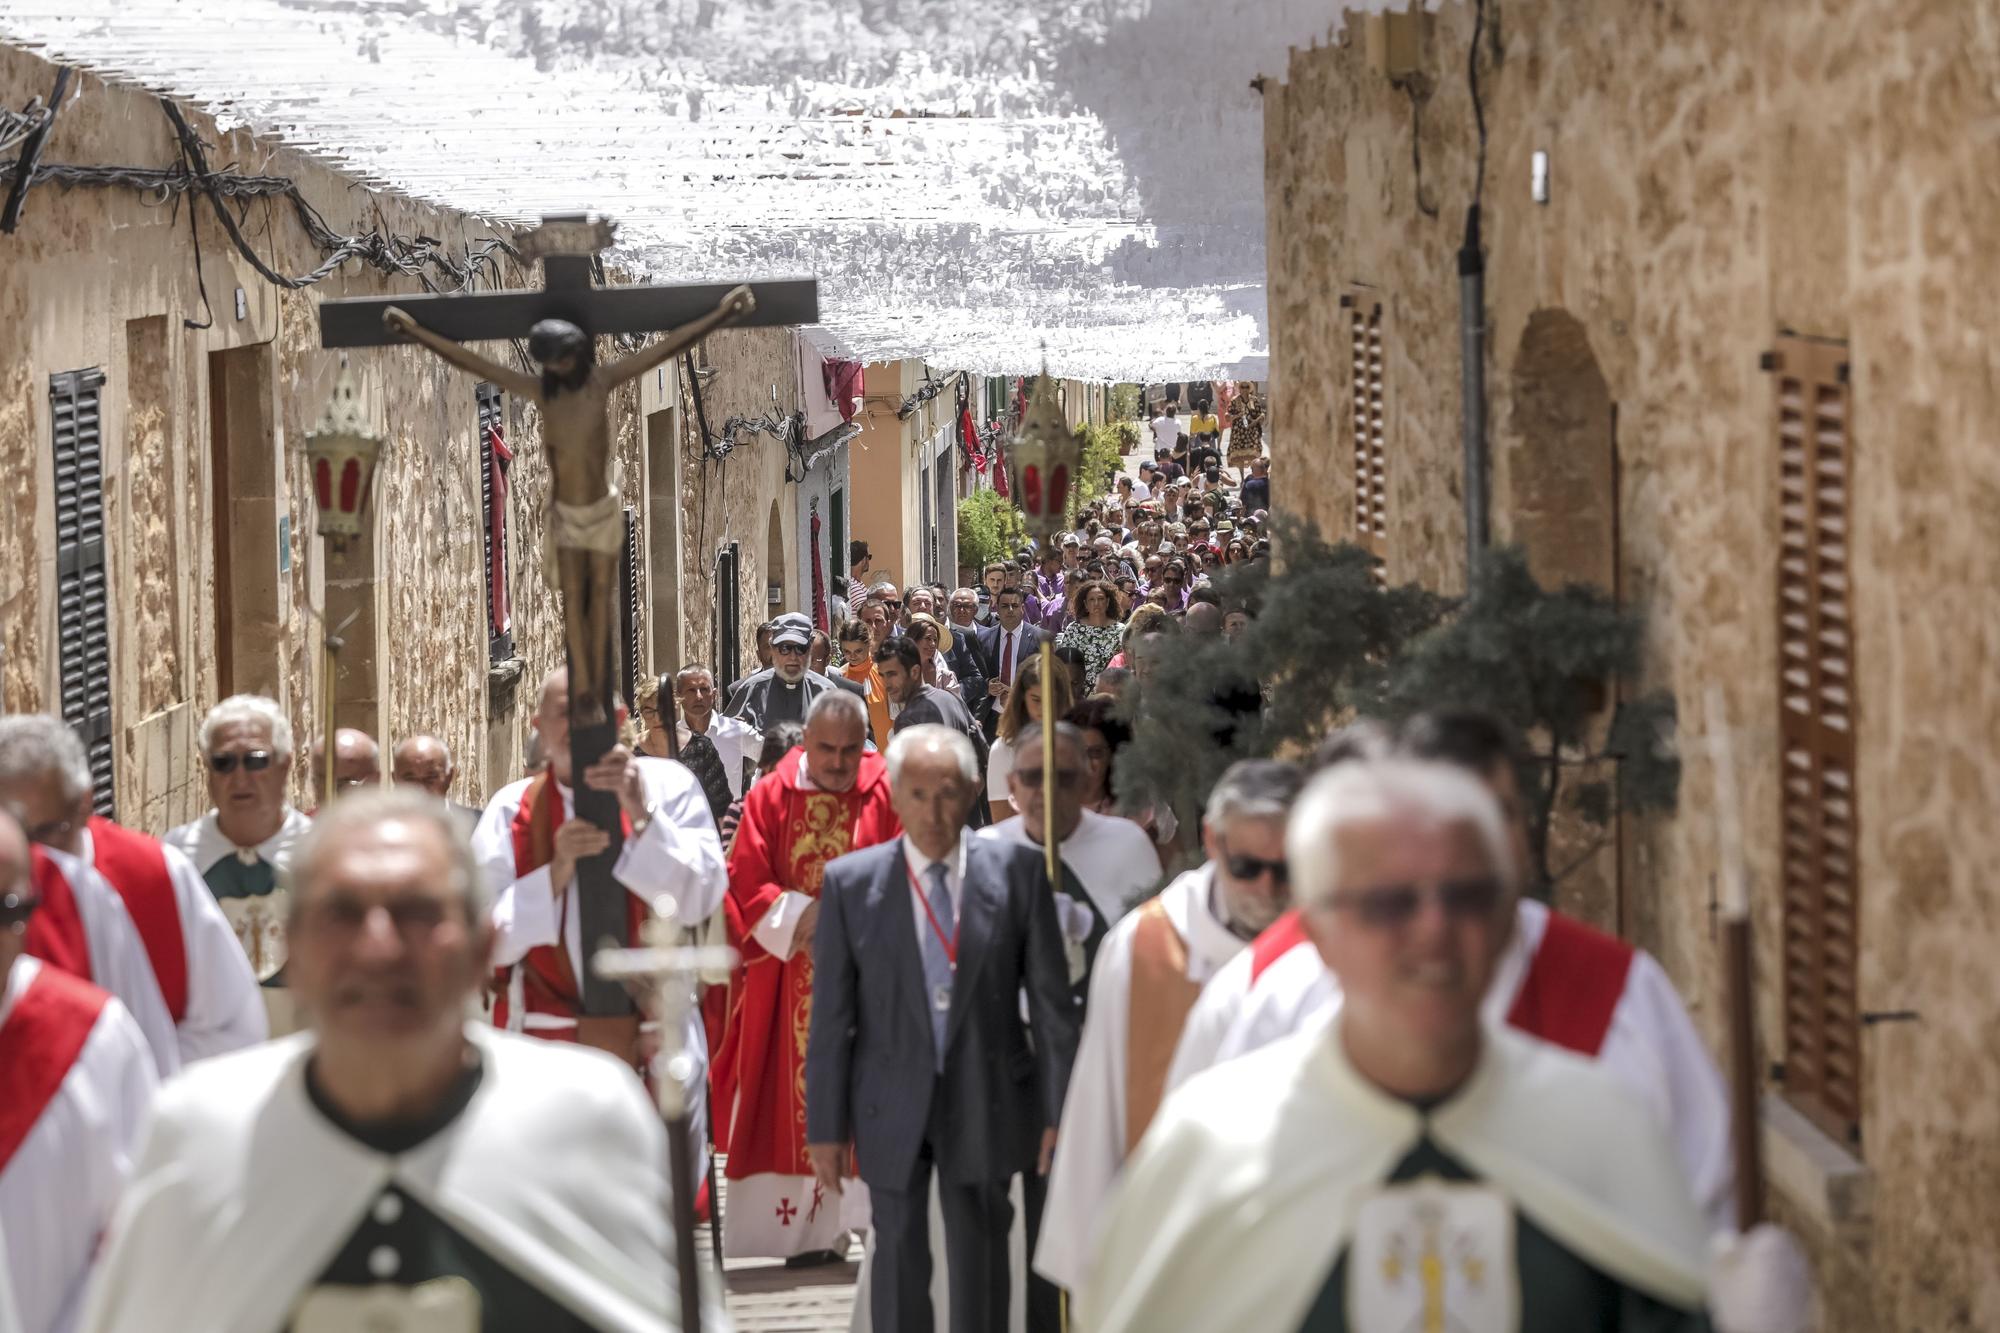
{"points": [[1760, 1283]]}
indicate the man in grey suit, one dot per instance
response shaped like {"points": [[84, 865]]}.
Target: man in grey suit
{"points": [[918, 1052], [785, 690]]}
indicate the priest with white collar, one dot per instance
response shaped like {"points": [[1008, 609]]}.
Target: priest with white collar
{"points": [[1148, 971], [1408, 1165], [458, 1177]]}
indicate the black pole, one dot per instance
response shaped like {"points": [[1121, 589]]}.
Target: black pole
{"points": [[1472, 346], [680, 1160]]}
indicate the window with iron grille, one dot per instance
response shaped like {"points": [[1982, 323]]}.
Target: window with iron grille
{"points": [[83, 619], [1816, 714], [1367, 432], [628, 609], [495, 460]]}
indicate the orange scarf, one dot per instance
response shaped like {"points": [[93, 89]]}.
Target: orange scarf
{"points": [[878, 699]]}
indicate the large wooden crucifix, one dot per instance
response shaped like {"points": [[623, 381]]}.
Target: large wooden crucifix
{"points": [[586, 520]]}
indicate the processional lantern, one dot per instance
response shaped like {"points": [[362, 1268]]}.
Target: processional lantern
{"points": [[1043, 460], [342, 454]]}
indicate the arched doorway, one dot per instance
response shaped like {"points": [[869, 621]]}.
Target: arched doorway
{"points": [[776, 586], [1561, 475], [1558, 475]]}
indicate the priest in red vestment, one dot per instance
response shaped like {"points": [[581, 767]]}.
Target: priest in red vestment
{"points": [[823, 800]]}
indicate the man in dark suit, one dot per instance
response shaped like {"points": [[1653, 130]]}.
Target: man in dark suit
{"points": [[965, 657], [1006, 644], [912, 703], [785, 690], [918, 1052]]}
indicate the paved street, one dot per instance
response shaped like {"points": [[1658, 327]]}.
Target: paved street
{"points": [[767, 1297]]}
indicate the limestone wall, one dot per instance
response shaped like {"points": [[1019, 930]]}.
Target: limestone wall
{"points": [[103, 278], [1722, 173]]}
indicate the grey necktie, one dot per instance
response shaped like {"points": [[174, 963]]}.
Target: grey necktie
{"points": [[937, 962]]}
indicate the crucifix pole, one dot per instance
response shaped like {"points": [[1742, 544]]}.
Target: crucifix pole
{"points": [[673, 972], [562, 323]]}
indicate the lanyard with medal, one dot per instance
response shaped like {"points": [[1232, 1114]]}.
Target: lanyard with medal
{"points": [[941, 995]]}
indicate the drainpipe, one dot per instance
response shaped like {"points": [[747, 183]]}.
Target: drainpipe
{"points": [[1472, 347]]}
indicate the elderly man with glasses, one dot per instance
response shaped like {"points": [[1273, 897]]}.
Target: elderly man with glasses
{"points": [[1408, 1163], [1147, 973], [79, 1083], [193, 991], [243, 845], [785, 690]]}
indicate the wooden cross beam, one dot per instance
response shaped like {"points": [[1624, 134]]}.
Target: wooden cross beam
{"points": [[574, 421]]}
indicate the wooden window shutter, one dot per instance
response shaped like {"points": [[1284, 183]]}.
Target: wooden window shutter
{"points": [[628, 609], [1368, 427], [83, 614], [1816, 736], [494, 457]]}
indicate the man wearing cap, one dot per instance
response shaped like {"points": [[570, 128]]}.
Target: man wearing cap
{"points": [[785, 690]]}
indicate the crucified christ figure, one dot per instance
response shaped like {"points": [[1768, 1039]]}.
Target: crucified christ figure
{"points": [[586, 528]]}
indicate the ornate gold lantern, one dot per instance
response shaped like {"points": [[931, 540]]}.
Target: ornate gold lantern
{"points": [[342, 454], [1044, 459]]}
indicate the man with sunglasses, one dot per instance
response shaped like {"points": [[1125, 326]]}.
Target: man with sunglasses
{"points": [[243, 845], [784, 691], [1559, 980], [78, 1081], [196, 988], [1408, 1163], [1148, 971]]}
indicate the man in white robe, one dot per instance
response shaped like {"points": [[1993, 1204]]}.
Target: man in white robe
{"points": [[1408, 1165], [76, 1079], [205, 983], [243, 846], [1148, 972], [1559, 980], [457, 1177], [527, 845]]}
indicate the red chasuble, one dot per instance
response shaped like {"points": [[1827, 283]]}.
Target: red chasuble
{"points": [[783, 844], [136, 866], [549, 982]]}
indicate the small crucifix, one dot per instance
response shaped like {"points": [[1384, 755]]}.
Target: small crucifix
{"points": [[586, 530]]}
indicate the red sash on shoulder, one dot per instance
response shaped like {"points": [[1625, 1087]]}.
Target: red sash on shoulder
{"points": [[1275, 941], [137, 867], [55, 931], [39, 1044], [1573, 986], [549, 984]]}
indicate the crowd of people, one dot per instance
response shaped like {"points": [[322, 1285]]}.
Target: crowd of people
{"points": [[1309, 1058]]}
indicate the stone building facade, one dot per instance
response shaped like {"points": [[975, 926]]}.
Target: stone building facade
{"points": [[1740, 372]]}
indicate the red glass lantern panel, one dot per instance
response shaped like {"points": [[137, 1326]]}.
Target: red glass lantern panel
{"points": [[350, 485], [1031, 490], [323, 483], [1058, 488]]}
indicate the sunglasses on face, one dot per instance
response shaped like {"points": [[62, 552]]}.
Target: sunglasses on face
{"points": [[1255, 867], [893, 606], [789, 649], [1395, 906], [253, 761], [1066, 778]]}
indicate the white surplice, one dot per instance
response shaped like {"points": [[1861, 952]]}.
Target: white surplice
{"points": [[244, 1191], [1249, 1183], [1652, 1044], [1091, 1144], [678, 856], [225, 1011], [118, 961], [59, 1187]]}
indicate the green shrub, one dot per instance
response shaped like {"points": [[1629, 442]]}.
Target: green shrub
{"points": [[989, 529]]}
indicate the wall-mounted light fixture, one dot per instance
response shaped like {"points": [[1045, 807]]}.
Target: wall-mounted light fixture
{"points": [[1538, 183]]}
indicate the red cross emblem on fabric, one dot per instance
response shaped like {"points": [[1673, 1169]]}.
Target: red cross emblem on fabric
{"points": [[819, 1194], [786, 1212]]}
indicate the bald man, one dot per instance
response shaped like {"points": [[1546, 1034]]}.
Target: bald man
{"points": [[357, 762], [425, 761]]}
